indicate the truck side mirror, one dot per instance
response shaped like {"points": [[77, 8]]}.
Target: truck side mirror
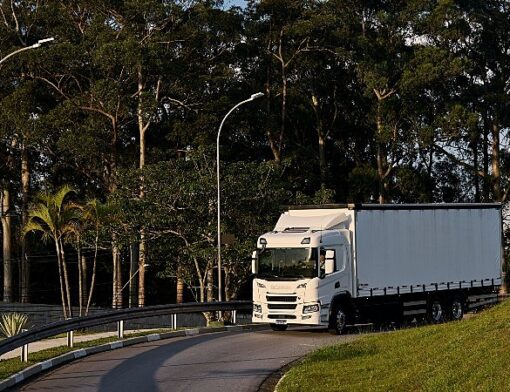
{"points": [[255, 262], [330, 262]]}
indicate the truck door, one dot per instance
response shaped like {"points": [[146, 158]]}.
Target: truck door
{"points": [[338, 281]]}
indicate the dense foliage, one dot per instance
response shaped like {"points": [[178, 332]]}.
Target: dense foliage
{"points": [[365, 101]]}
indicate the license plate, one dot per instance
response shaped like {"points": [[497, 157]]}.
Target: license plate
{"points": [[281, 321]]}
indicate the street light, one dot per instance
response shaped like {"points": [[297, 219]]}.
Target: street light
{"points": [[34, 46], [252, 98]]}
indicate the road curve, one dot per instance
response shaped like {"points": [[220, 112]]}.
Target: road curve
{"points": [[234, 361]]}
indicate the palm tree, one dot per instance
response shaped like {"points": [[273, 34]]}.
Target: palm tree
{"points": [[56, 218]]}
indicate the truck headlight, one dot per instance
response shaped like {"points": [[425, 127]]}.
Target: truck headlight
{"points": [[311, 308], [257, 308]]}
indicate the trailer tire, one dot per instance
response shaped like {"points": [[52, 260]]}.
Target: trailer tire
{"points": [[338, 321], [456, 311], [278, 327], [436, 312]]}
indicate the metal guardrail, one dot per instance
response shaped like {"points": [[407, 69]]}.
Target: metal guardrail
{"points": [[70, 325]]}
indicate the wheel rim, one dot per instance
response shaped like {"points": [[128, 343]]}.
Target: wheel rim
{"points": [[457, 311], [340, 320]]}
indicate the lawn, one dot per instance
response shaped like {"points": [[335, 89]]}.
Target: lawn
{"points": [[469, 355]]}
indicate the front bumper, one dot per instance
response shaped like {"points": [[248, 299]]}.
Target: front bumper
{"points": [[269, 314]]}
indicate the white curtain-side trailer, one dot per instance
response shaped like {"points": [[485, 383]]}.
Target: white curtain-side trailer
{"points": [[336, 265]]}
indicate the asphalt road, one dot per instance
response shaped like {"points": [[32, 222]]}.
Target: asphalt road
{"points": [[224, 362]]}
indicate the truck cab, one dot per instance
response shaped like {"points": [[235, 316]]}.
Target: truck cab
{"points": [[300, 267]]}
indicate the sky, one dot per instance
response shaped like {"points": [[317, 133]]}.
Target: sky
{"points": [[240, 3]]}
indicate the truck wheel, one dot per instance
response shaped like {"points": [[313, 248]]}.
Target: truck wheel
{"points": [[436, 312], [456, 309], [338, 322], [278, 327]]}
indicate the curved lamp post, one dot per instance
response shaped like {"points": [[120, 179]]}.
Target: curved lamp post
{"points": [[36, 45], [253, 97]]}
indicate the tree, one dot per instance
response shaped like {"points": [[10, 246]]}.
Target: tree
{"points": [[55, 217]]}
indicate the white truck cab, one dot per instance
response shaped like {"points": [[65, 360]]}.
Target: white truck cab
{"points": [[300, 266]]}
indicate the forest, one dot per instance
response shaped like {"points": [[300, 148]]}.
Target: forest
{"points": [[108, 132]]}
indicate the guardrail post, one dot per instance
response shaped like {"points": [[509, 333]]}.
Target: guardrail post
{"points": [[70, 339], [24, 350], [120, 329], [234, 317]]}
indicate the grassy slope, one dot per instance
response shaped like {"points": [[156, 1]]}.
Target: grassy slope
{"points": [[470, 355]]}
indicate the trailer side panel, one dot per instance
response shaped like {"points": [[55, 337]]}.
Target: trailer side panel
{"points": [[431, 249]]}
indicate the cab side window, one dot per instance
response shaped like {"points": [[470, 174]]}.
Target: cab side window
{"points": [[322, 261]]}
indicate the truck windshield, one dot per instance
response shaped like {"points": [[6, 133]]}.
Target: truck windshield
{"points": [[288, 263]]}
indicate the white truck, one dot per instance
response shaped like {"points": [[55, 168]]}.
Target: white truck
{"points": [[337, 265]]}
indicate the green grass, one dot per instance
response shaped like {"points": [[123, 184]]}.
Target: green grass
{"points": [[470, 355]]}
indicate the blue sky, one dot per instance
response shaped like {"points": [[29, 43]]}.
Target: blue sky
{"points": [[240, 3]]}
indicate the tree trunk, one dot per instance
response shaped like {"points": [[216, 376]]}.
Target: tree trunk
{"points": [[322, 159], [141, 270], [381, 159], [210, 316], [84, 275], [60, 276], [7, 243], [117, 277], [229, 290], [142, 128], [180, 286], [496, 168], [319, 128], [486, 178], [25, 189], [475, 172], [94, 266], [284, 107], [80, 281], [210, 285], [66, 279], [133, 262], [269, 116]]}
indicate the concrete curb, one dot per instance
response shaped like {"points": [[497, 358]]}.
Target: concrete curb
{"points": [[41, 367]]}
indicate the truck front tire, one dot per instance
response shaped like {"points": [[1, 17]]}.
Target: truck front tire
{"points": [[338, 321]]}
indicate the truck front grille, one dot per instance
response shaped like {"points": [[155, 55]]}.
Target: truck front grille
{"points": [[290, 298], [281, 306], [281, 316]]}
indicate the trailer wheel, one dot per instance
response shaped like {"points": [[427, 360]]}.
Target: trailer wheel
{"points": [[338, 321], [436, 312], [456, 309], [278, 327]]}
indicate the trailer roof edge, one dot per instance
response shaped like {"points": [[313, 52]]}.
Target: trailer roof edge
{"points": [[428, 206]]}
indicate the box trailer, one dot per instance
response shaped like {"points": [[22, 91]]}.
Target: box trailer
{"points": [[337, 265]]}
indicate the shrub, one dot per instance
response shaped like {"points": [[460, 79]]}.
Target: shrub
{"points": [[12, 323]]}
